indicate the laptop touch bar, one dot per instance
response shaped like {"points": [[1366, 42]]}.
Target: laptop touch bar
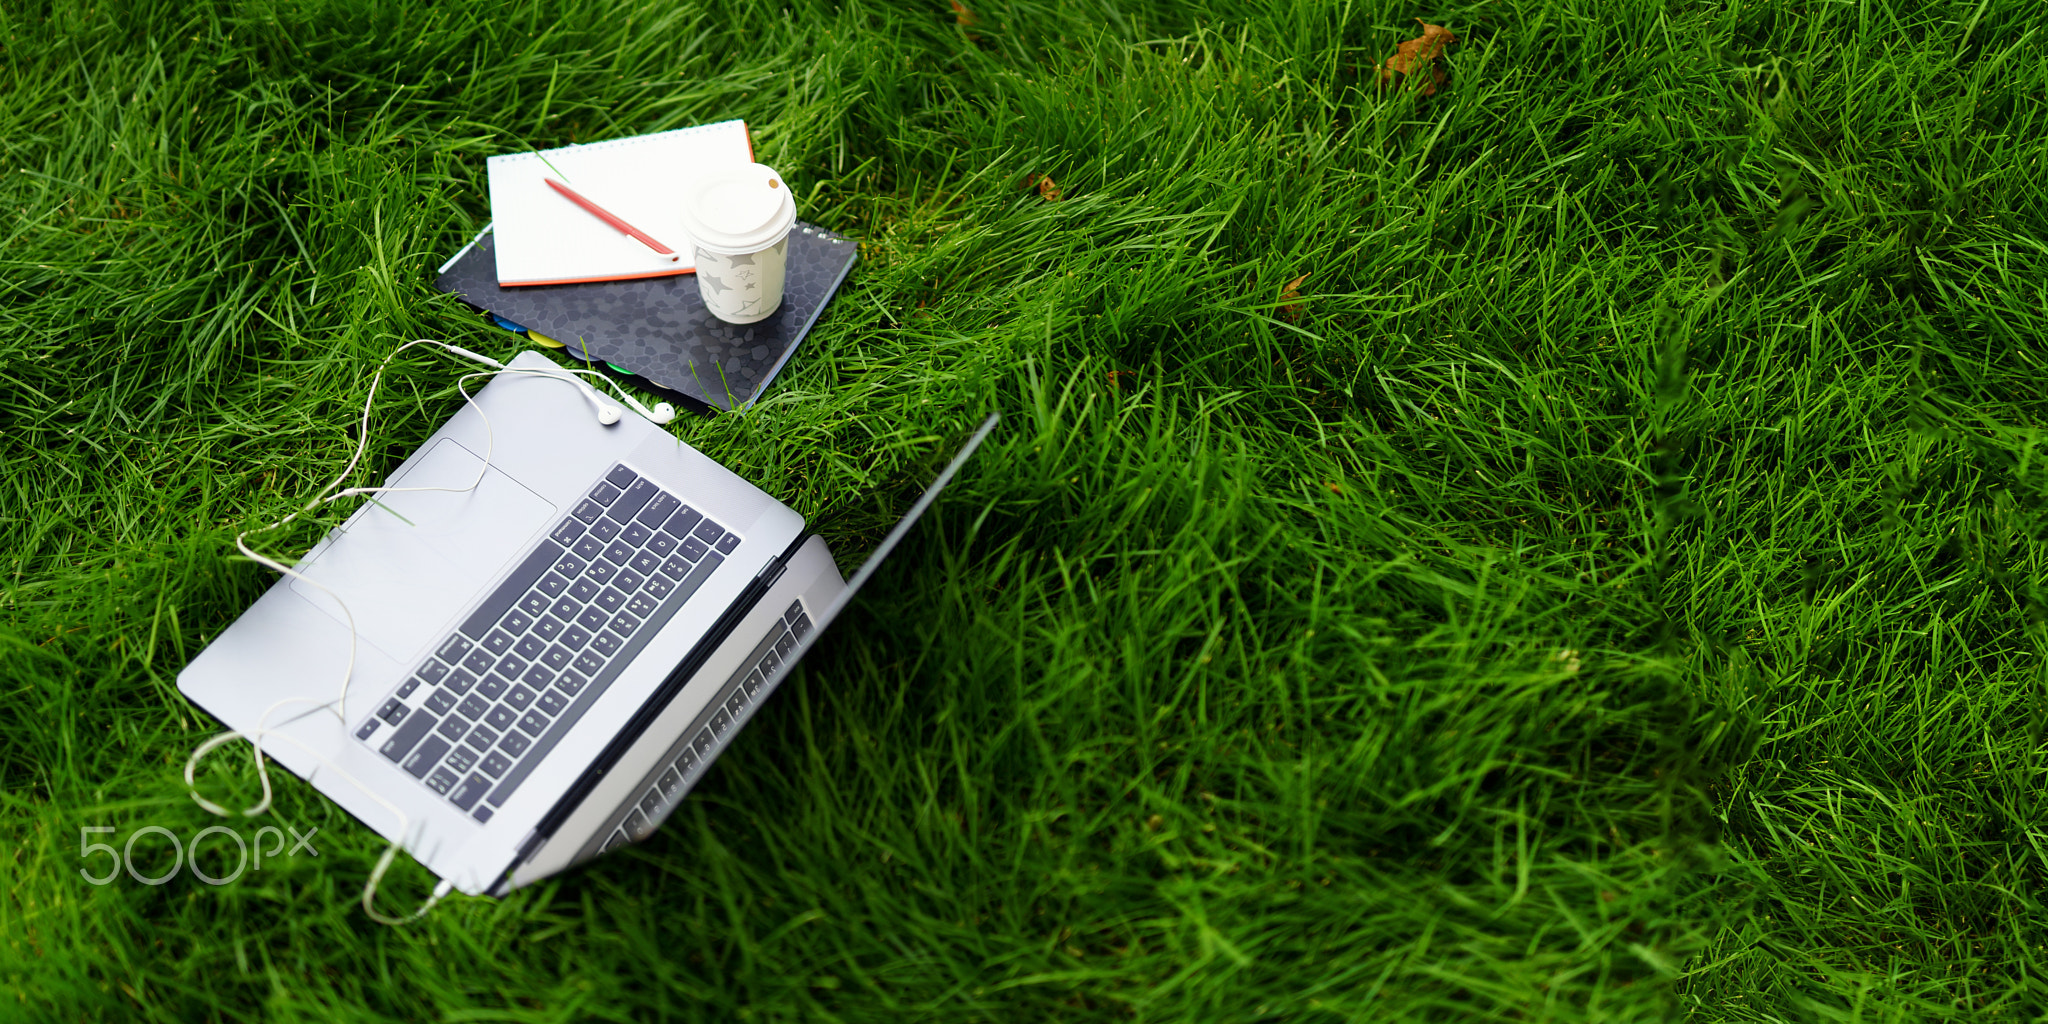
{"points": [[498, 694]]}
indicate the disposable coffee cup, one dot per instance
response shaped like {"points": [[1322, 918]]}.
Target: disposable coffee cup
{"points": [[739, 218]]}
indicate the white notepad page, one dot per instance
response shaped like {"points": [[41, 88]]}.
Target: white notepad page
{"points": [[544, 238]]}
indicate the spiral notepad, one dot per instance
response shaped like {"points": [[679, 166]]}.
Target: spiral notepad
{"points": [[543, 238]]}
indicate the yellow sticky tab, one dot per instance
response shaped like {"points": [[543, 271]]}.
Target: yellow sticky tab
{"points": [[544, 339]]}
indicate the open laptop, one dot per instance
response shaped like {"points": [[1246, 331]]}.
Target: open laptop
{"points": [[545, 662]]}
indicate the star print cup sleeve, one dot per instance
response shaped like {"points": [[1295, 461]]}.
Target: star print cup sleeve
{"points": [[739, 217]]}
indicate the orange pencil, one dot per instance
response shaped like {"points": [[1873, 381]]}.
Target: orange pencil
{"points": [[610, 218]]}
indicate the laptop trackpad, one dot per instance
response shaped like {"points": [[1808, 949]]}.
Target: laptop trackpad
{"points": [[413, 560]]}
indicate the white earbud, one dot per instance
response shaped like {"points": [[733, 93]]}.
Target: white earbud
{"points": [[661, 413]]}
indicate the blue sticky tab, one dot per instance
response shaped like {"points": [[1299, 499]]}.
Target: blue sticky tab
{"points": [[507, 324]]}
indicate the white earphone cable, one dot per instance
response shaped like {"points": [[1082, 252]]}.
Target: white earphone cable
{"points": [[662, 413]]}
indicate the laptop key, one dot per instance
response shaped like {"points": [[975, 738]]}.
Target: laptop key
{"points": [[720, 722], [519, 698], [617, 840], [636, 824], [611, 600], [727, 543], [708, 532], [589, 663], [567, 533], [601, 571], [686, 762], [624, 624], [530, 647], [473, 707], [495, 763], [801, 626], [516, 622], [588, 548], [566, 609], [539, 677], [570, 683], [661, 544], [569, 565], [795, 609], [650, 804], [657, 587], [605, 494], [453, 649], [432, 671], [536, 602], [642, 605], [492, 687], [498, 642], [513, 587], [482, 814], [619, 553], [692, 549], [605, 530], [658, 509], [548, 628], [511, 666], [472, 788], [785, 645], [479, 661], [628, 581], [685, 520], [632, 501], [552, 585], [459, 681], [675, 568], [481, 737], [670, 783], [575, 637], [593, 618], [551, 702], [752, 684], [442, 781], [451, 728], [636, 534], [501, 717], [621, 476], [392, 711], [605, 644], [461, 759], [737, 702], [704, 743], [533, 723], [406, 688], [514, 744], [588, 511], [368, 728], [424, 756], [557, 657], [582, 591], [440, 701], [646, 562]]}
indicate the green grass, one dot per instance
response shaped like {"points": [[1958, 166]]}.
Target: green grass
{"points": [[1701, 340]]}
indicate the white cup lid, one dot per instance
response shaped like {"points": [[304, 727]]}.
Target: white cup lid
{"points": [[739, 207]]}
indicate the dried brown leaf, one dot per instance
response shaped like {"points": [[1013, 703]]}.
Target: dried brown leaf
{"points": [[1291, 305], [1046, 187], [1417, 54], [961, 14]]}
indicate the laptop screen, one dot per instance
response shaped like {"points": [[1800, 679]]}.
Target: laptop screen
{"points": [[889, 542]]}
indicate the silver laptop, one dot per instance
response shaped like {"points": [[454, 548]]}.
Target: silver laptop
{"points": [[547, 661]]}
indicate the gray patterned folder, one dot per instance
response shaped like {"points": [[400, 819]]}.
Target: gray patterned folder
{"points": [[657, 327]]}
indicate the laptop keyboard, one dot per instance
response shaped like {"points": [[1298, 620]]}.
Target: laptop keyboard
{"points": [[500, 691], [713, 729]]}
